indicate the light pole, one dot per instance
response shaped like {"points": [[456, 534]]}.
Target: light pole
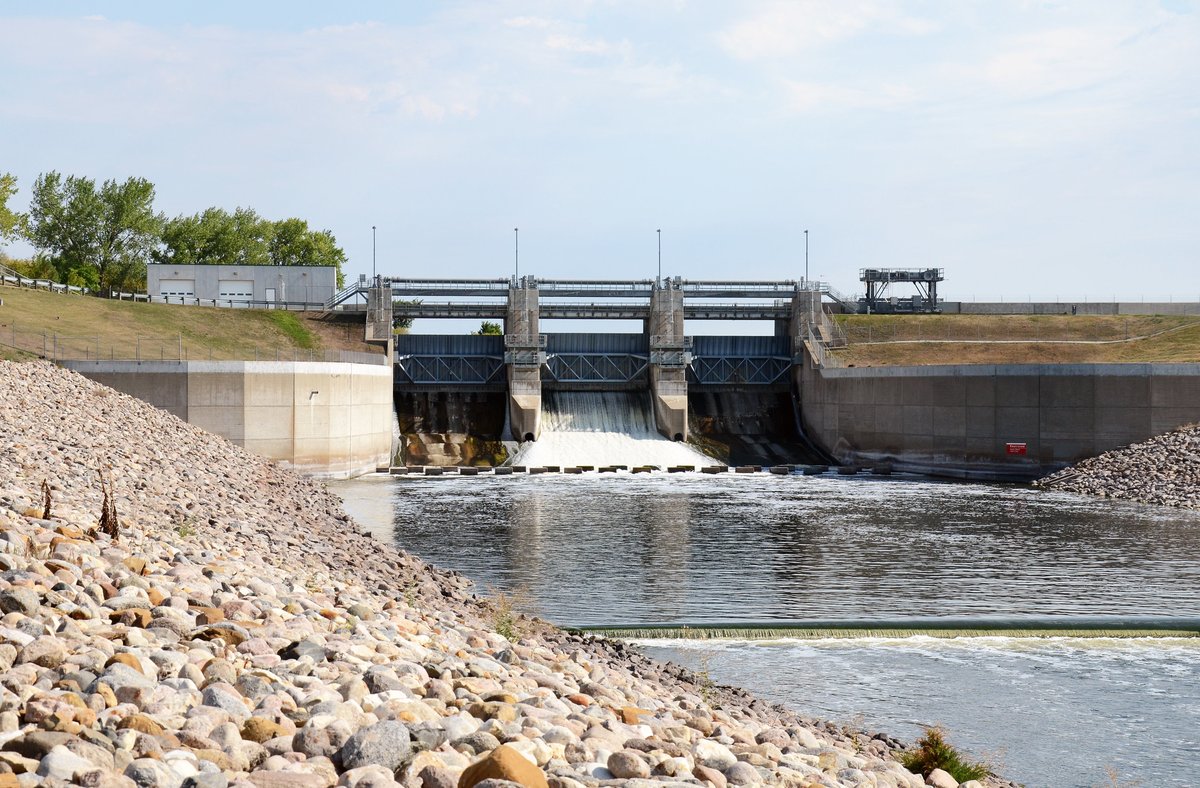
{"points": [[806, 258], [372, 251], [659, 255], [517, 253]]}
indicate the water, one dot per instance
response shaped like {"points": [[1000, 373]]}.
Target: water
{"points": [[603, 428], [626, 549]]}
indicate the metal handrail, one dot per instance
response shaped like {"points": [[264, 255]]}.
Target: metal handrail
{"points": [[525, 341]]}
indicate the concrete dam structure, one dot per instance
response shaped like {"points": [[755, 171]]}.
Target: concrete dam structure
{"points": [[755, 399], [738, 387]]}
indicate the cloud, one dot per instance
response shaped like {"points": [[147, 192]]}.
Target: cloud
{"points": [[578, 45], [811, 97], [783, 29]]}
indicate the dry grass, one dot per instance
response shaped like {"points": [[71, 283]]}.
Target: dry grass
{"points": [[913, 340], [125, 329]]}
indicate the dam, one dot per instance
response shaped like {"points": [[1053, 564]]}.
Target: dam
{"points": [[779, 398], [735, 394]]}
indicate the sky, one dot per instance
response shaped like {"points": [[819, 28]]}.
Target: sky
{"points": [[1031, 149]]}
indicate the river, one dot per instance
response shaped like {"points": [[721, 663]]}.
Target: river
{"points": [[690, 548]]}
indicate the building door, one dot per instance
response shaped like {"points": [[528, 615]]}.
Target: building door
{"points": [[235, 292], [176, 291], [270, 298]]}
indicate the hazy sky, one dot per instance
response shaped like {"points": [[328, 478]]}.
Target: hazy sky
{"points": [[1029, 148]]}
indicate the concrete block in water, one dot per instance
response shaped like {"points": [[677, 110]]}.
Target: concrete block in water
{"points": [[681, 468], [781, 470], [714, 469], [504, 471], [399, 471], [433, 471], [847, 470], [468, 471], [747, 469], [573, 470]]}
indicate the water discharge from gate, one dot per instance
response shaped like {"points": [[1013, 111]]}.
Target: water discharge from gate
{"points": [[601, 428]]}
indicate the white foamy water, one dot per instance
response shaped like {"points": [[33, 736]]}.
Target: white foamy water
{"points": [[603, 428]]}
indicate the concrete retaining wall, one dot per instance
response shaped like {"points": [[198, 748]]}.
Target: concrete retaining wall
{"points": [[958, 419], [325, 419]]}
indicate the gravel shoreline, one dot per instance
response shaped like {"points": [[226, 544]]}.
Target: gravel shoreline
{"points": [[241, 630], [1164, 471]]}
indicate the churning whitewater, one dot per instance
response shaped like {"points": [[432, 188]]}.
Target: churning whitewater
{"points": [[602, 428]]}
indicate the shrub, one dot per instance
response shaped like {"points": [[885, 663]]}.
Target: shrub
{"points": [[934, 752]]}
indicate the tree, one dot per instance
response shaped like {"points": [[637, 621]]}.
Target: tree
{"points": [[489, 329], [12, 224], [294, 244], [217, 237], [96, 238]]}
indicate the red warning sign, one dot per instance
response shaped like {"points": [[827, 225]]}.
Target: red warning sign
{"points": [[1015, 448]]}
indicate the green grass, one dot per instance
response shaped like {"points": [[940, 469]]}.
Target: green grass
{"points": [[934, 752], [290, 325], [908, 340], [88, 327]]}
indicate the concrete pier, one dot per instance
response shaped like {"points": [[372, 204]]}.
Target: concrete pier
{"points": [[669, 360], [524, 354]]}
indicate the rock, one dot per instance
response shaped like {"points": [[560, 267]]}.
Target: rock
{"points": [[385, 744], [940, 779], [714, 755], [303, 648], [476, 743], [260, 729], [62, 764], [437, 777], [742, 773], [226, 698], [140, 722], [503, 763], [206, 780], [709, 775], [152, 773], [46, 651], [627, 764], [266, 779], [323, 741], [38, 744], [368, 777], [20, 599]]}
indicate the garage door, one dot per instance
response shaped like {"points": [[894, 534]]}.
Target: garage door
{"points": [[176, 291], [235, 290]]}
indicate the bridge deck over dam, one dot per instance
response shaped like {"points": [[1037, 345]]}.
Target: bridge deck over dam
{"points": [[661, 358]]}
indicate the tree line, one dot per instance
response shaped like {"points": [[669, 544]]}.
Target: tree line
{"points": [[101, 236]]}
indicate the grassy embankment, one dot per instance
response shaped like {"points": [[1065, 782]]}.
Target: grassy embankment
{"points": [[910, 340], [89, 327]]}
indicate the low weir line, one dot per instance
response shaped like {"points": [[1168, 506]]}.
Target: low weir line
{"points": [[1042, 627]]}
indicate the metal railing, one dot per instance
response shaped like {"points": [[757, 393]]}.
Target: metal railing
{"points": [[525, 341]]}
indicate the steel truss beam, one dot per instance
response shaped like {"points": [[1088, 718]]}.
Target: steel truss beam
{"points": [[595, 367], [753, 370], [449, 370]]}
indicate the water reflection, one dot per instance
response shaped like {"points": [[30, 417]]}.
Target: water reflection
{"points": [[638, 549]]}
